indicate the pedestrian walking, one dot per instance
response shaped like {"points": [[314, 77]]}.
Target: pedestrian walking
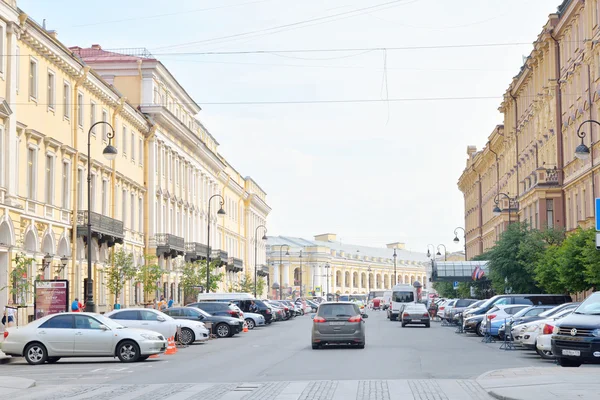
{"points": [[76, 306], [170, 303], [8, 319], [162, 304]]}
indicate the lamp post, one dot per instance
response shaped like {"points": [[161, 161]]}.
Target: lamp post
{"points": [[256, 254], [110, 153], [582, 151], [456, 240], [445, 251], [327, 267], [395, 276], [433, 252], [497, 210], [287, 253], [300, 257], [220, 212]]}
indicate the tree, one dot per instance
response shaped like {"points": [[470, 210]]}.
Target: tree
{"points": [[149, 276], [591, 259], [120, 271], [215, 277], [260, 286], [445, 289], [20, 285], [190, 280], [572, 270], [547, 270]]}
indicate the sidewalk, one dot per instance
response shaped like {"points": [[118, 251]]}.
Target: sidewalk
{"points": [[542, 383], [11, 385]]}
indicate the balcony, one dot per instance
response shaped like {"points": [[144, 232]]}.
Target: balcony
{"points": [[195, 251], [263, 270], [105, 229], [220, 255], [168, 245], [234, 265]]}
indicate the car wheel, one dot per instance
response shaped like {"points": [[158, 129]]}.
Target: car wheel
{"points": [[403, 325], [187, 336], [52, 360], [223, 330], [479, 330], [36, 354], [316, 346], [128, 351], [565, 362], [545, 354], [250, 323]]}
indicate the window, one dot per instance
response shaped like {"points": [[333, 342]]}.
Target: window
{"points": [[80, 188], [105, 126], [51, 90], [124, 140], [93, 116], [149, 315], [104, 197], [141, 152], [132, 205], [33, 79], [123, 206], [93, 186], [85, 322], [132, 145], [66, 184], [80, 109], [130, 315], [67, 100], [31, 172], [2, 166], [18, 71], [59, 322], [140, 215]]}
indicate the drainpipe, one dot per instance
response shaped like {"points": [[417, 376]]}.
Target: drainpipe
{"points": [[480, 218], [589, 74], [82, 78], [559, 138], [113, 185], [516, 144]]}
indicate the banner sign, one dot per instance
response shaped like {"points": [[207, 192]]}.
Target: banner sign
{"points": [[51, 297]]}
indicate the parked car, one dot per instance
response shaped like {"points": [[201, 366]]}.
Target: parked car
{"points": [[221, 326], [216, 308], [443, 306], [517, 331], [498, 315], [261, 307], [415, 313], [154, 320], [55, 336], [543, 342], [576, 338], [459, 306], [529, 338], [254, 319], [459, 314], [521, 316], [338, 322], [473, 324], [527, 299]]}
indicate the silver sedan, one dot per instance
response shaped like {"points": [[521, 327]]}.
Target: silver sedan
{"points": [[80, 335]]}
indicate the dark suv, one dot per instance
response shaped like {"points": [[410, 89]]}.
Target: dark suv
{"points": [[261, 308], [576, 338], [216, 308]]}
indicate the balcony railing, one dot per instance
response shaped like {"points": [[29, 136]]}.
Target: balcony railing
{"points": [[262, 270], [106, 229], [169, 245], [195, 251], [235, 264], [220, 255]]}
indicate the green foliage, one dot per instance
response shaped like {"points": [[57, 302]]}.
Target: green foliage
{"points": [[260, 286], [120, 271], [20, 285], [149, 276], [547, 270], [246, 285], [445, 289], [572, 271], [591, 259]]}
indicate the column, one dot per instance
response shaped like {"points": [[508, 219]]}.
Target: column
{"points": [[11, 121], [286, 273]]}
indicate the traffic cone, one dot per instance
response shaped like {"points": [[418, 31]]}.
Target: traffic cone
{"points": [[171, 348], [154, 356], [245, 327]]}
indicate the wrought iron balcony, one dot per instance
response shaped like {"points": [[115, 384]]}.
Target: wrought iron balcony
{"points": [[235, 264], [220, 255], [105, 229], [263, 270], [169, 245], [195, 251]]}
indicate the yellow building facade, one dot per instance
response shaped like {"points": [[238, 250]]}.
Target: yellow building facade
{"points": [[152, 199], [528, 166]]}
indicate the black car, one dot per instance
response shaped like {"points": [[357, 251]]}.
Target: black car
{"points": [[576, 339], [216, 308], [221, 326], [261, 308]]}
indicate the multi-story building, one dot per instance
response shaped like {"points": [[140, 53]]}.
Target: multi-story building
{"points": [[152, 199], [531, 157], [325, 265]]}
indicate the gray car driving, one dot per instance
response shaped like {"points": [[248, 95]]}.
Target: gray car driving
{"points": [[338, 323]]}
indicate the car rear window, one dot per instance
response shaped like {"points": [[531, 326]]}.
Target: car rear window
{"points": [[334, 310], [464, 303], [403, 297]]}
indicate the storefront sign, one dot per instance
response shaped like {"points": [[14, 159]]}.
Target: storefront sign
{"points": [[51, 297]]}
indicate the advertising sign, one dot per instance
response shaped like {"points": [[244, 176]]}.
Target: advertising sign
{"points": [[51, 297]]}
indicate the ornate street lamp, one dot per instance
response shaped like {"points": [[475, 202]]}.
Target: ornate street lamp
{"points": [[220, 212], [582, 151], [445, 251], [456, 240], [497, 210], [256, 254]]}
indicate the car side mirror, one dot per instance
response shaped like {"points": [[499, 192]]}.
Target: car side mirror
{"points": [[160, 318], [104, 328], [366, 316]]}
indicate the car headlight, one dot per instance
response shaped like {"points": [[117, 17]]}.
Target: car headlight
{"points": [[233, 323], [595, 332], [149, 336], [556, 330], [200, 326]]}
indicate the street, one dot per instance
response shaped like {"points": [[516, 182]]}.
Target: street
{"points": [[272, 358]]}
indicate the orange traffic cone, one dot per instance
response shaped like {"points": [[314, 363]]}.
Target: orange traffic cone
{"points": [[245, 327], [171, 348], [154, 356]]}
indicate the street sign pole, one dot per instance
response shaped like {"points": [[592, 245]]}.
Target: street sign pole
{"points": [[597, 208]]}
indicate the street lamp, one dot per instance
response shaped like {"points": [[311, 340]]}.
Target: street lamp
{"points": [[445, 252], [220, 212], [497, 210], [256, 254], [110, 153], [327, 267], [395, 255], [63, 264], [433, 252], [287, 253], [456, 240], [300, 257], [582, 151]]}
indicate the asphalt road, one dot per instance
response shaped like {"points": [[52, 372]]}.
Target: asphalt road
{"points": [[282, 352]]}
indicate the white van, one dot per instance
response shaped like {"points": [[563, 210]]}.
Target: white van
{"points": [[401, 295], [224, 296], [387, 299]]}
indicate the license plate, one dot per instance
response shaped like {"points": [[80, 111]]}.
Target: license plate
{"points": [[337, 323], [576, 353], [416, 320]]}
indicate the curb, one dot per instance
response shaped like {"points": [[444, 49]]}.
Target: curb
{"points": [[500, 397], [7, 360]]}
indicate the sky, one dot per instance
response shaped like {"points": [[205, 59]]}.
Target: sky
{"points": [[382, 166]]}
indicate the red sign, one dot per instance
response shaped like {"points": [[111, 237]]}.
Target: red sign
{"points": [[51, 297]]}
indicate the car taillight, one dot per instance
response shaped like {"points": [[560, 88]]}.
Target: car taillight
{"points": [[232, 312], [319, 320], [5, 334], [268, 311], [441, 308], [356, 318], [548, 329], [491, 316], [426, 314], [406, 315]]}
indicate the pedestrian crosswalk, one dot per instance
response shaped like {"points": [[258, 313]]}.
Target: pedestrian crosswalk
{"points": [[442, 389]]}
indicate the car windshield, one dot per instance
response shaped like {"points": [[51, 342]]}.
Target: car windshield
{"points": [[108, 322], [522, 312], [202, 312], [591, 306], [403, 297]]}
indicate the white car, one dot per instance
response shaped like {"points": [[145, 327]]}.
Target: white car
{"points": [[535, 329], [253, 320], [52, 337], [237, 309], [154, 320]]}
